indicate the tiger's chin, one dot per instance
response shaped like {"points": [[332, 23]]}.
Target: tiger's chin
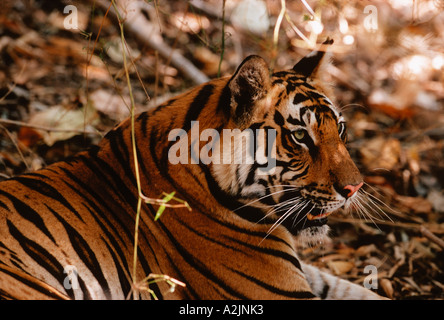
{"points": [[313, 236]]}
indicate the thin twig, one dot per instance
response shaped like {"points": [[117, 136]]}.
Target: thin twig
{"points": [[16, 146], [136, 164], [278, 25], [429, 235], [14, 84], [308, 8], [48, 129], [397, 224], [222, 52]]}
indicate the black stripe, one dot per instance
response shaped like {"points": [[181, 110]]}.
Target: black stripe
{"points": [[299, 97], [296, 122], [105, 172], [194, 262], [286, 293], [125, 283], [280, 74], [197, 105], [224, 102], [166, 104], [272, 252], [109, 236], [35, 285], [278, 118], [206, 237], [40, 255], [306, 86], [143, 118], [29, 214], [47, 190], [109, 212], [251, 174], [4, 206], [85, 253], [324, 292], [121, 152], [288, 144], [300, 175]]}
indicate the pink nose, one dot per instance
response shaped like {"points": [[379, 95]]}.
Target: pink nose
{"points": [[352, 189]]}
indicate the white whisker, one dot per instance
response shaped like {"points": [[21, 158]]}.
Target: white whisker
{"points": [[263, 197], [280, 207], [372, 200], [283, 217], [308, 202], [369, 207], [365, 212]]}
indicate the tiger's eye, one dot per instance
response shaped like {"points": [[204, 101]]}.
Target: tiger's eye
{"points": [[299, 134]]}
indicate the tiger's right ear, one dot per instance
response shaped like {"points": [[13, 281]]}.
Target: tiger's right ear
{"points": [[309, 65], [249, 84]]}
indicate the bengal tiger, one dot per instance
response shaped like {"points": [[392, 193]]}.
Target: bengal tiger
{"points": [[240, 239]]}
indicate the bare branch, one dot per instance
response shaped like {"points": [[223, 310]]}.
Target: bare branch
{"points": [[147, 33]]}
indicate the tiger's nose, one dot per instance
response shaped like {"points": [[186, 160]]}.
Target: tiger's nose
{"points": [[350, 190]]}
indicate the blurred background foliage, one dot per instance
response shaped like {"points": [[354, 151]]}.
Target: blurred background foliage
{"points": [[62, 86]]}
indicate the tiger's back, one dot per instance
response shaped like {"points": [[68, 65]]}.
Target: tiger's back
{"points": [[79, 215]]}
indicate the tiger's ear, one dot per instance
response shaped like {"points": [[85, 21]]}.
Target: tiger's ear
{"points": [[309, 65], [249, 84]]}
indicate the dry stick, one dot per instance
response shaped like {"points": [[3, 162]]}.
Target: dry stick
{"points": [[16, 146], [48, 129], [145, 32], [429, 235], [406, 225], [223, 40], [136, 164]]}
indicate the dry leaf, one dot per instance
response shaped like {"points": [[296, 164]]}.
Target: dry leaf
{"points": [[365, 250], [210, 61], [111, 104], [29, 136], [381, 153], [386, 285], [340, 267], [414, 204], [189, 22], [65, 123]]}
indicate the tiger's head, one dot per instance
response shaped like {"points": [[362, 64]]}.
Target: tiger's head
{"points": [[305, 134]]}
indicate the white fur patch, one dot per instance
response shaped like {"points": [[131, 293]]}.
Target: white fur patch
{"points": [[313, 236]]}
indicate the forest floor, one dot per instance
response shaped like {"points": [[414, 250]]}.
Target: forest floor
{"points": [[61, 90]]}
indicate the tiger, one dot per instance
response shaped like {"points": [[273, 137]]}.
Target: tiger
{"points": [[247, 218]]}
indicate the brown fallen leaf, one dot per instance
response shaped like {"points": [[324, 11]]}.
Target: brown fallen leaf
{"points": [[365, 250], [414, 204], [381, 153], [386, 285], [29, 136], [65, 123], [340, 267]]}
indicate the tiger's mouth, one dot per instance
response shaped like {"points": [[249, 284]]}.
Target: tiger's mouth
{"points": [[309, 222], [312, 222], [318, 215], [314, 228], [311, 216]]}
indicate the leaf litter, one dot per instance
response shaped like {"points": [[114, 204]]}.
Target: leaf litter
{"points": [[389, 82]]}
